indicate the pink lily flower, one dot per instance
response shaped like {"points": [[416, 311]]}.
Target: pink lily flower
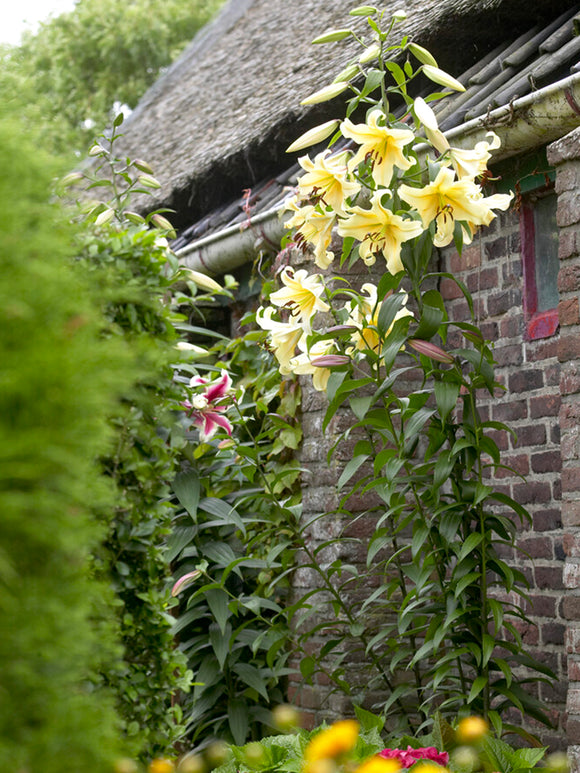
{"points": [[203, 409]]}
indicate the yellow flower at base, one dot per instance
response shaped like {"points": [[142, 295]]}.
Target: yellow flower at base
{"points": [[379, 764], [384, 145], [160, 765], [471, 730], [429, 767], [326, 180], [337, 740], [301, 294], [380, 231]]}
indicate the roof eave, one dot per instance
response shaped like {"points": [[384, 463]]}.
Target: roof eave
{"points": [[525, 124]]}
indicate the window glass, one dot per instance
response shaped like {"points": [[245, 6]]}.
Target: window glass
{"points": [[546, 252]]}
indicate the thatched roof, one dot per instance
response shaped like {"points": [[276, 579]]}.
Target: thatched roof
{"points": [[221, 116]]}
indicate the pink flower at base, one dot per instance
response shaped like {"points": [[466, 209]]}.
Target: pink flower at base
{"points": [[410, 756], [202, 408]]}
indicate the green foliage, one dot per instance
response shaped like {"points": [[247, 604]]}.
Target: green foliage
{"points": [[132, 272], [80, 63], [60, 380], [231, 625]]}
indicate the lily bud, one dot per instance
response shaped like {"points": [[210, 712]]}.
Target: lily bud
{"points": [[371, 53], [442, 78], [72, 178], [347, 74], [204, 281], [430, 350], [425, 114], [96, 150], [326, 94], [163, 224], [313, 136], [185, 581], [363, 10], [331, 361], [420, 53], [184, 346], [135, 218], [332, 36], [149, 181], [105, 217], [399, 15], [142, 166]]}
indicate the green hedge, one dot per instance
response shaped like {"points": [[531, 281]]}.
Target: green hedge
{"points": [[58, 383]]}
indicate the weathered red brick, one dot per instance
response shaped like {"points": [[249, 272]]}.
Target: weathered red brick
{"points": [[537, 547], [449, 289], [571, 512], [568, 212], [571, 479], [516, 409], [571, 575], [549, 461], [532, 492], [531, 435], [569, 277], [548, 577], [570, 378], [544, 405], [569, 312], [569, 347], [569, 246], [526, 380]]}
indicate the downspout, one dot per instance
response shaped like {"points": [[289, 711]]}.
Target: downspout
{"points": [[526, 123]]}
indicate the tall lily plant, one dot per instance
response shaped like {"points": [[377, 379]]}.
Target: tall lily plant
{"points": [[436, 610]]}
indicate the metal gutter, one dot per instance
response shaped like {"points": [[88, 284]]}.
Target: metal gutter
{"points": [[534, 120]]}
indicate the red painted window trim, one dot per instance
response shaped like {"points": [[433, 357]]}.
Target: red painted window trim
{"points": [[539, 324]]}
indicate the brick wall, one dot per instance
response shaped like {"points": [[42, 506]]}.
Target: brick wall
{"points": [[565, 156], [491, 267]]}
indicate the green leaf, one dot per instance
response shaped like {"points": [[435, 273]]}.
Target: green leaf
{"points": [[351, 467], [477, 686], [431, 319], [367, 720], [446, 396], [220, 642], [238, 719], [217, 600], [186, 487], [469, 545], [389, 308], [251, 676], [307, 666]]}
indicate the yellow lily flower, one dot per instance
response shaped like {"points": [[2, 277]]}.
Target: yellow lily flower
{"points": [[326, 180], [384, 145], [365, 317], [284, 337], [379, 230], [302, 364], [301, 293], [447, 200], [314, 225]]}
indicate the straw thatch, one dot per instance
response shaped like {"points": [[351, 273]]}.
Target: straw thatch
{"points": [[221, 116]]}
